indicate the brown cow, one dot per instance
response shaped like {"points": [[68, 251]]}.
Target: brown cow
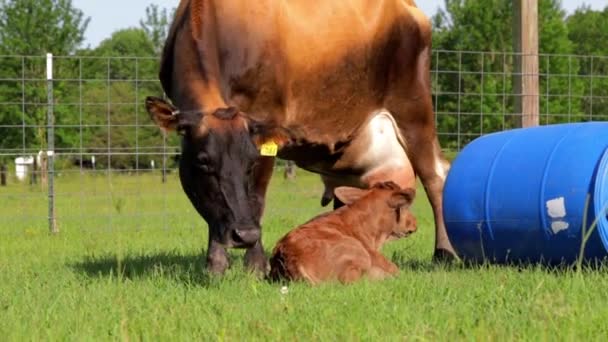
{"points": [[345, 244], [341, 87]]}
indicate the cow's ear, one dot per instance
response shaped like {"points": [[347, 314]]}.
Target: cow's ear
{"points": [[162, 113], [263, 133], [349, 195], [402, 198]]}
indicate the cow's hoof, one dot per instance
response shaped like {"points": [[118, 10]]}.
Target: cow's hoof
{"points": [[217, 261], [257, 263], [442, 255], [217, 267], [260, 269]]}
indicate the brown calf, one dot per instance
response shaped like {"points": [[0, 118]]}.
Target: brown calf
{"points": [[344, 244]]}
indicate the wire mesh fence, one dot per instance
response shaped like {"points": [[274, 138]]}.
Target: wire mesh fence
{"points": [[113, 169], [473, 92]]}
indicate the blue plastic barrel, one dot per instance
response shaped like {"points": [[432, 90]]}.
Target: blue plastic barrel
{"points": [[520, 195]]}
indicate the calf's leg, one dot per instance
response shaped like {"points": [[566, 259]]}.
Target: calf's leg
{"points": [[350, 273], [352, 262], [381, 267]]}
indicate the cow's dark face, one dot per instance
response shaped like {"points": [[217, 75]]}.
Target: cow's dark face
{"points": [[216, 169]]}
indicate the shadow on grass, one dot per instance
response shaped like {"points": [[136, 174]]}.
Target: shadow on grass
{"points": [[418, 265], [428, 265], [188, 269]]}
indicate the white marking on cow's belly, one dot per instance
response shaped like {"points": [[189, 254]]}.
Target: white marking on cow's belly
{"points": [[440, 169], [385, 147], [378, 154]]}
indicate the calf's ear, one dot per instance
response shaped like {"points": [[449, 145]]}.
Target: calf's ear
{"points": [[402, 198], [349, 195], [162, 113]]}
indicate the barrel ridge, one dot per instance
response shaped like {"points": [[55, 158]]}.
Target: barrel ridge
{"points": [[543, 185]]}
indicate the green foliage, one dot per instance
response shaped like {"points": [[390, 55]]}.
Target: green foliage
{"points": [[586, 28], [470, 25], [98, 93], [474, 85], [156, 25], [32, 28], [121, 81], [588, 31], [131, 42]]}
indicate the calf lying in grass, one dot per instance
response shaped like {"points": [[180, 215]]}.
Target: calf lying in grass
{"points": [[344, 244]]}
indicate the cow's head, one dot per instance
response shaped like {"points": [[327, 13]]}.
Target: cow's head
{"points": [[387, 203], [218, 159]]}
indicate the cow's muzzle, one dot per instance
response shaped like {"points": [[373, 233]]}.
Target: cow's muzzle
{"points": [[244, 236]]}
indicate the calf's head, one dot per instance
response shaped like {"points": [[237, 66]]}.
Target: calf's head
{"points": [[217, 165], [384, 208]]}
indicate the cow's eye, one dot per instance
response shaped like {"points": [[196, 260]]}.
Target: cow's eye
{"points": [[182, 129]]}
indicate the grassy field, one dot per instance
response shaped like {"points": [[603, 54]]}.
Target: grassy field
{"points": [[127, 266]]}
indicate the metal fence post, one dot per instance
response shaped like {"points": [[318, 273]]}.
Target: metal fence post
{"points": [[50, 151]]}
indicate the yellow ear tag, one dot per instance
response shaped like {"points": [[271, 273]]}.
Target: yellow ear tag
{"points": [[269, 149]]}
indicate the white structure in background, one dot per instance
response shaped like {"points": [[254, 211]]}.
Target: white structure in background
{"points": [[22, 165], [152, 163], [39, 156]]}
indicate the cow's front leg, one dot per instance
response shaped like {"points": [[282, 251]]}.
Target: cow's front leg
{"points": [[255, 258], [217, 257]]}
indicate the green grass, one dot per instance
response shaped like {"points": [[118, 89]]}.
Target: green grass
{"points": [[127, 266]]}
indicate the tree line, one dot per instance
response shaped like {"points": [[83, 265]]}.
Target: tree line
{"points": [[98, 91], [573, 67]]}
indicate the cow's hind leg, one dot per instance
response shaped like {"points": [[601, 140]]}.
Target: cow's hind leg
{"points": [[409, 100], [432, 167], [255, 258]]}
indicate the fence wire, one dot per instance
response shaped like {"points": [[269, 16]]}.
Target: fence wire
{"points": [[115, 170]]}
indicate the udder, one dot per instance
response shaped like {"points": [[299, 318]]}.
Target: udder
{"points": [[377, 154]]}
